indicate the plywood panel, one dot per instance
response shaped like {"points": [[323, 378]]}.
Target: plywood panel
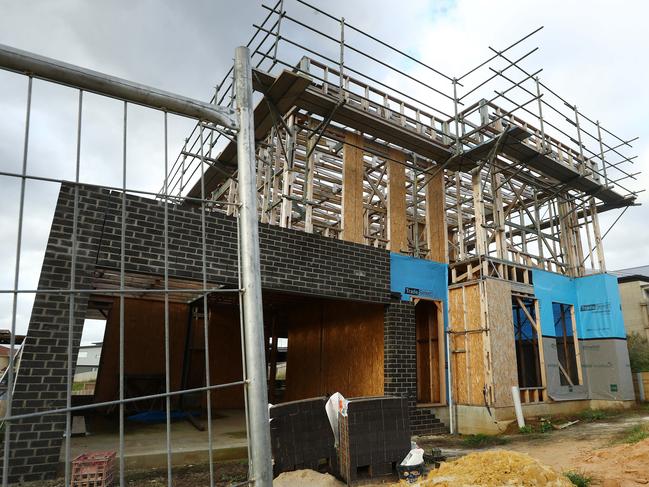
{"points": [[501, 337], [353, 349], [304, 356], [144, 349], [335, 347], [475, 349], [143, 344], [436, 232], [456, 327], [225, 356], [467, 345], [397, 222], [352, 200]]}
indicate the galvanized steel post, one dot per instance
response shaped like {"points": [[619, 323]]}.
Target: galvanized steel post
{"points": [[253, 322]]}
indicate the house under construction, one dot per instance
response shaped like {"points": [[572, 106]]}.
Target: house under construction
{"points": [[422, 235]]}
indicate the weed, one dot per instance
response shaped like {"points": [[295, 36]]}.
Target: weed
{"points": [[591, 415], [526, 430], [635, 434], [545, 426], [481, 440], [578, 479]]}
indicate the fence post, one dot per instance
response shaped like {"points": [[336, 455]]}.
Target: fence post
{"points": [[253, 321]]}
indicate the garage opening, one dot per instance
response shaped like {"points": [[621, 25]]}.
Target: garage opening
{"points": [[315, 347], [430, 352], [565, 330]]}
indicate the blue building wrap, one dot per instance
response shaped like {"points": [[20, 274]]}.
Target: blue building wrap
{"points": [[421, 278], [596, 300]]}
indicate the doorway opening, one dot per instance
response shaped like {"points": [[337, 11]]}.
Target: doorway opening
{"points": [[431, 387]]}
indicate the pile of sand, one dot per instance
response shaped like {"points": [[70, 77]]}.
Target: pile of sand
{"points": [[298, 478], [617, 466], [495, 468]]}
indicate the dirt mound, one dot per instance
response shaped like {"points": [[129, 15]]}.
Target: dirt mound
{"points": [[495, 468], [617, 466], [298, 478]]}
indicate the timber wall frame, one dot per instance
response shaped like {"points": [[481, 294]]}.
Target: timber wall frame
{"points": [[454, 174]]}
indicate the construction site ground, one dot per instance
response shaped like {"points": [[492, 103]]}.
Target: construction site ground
{"points": [[596, 447]]}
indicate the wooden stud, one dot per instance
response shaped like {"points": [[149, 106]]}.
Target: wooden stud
{"points": [[308, 180], [478, 212], [286, 212], [598, 235], [498, 215]]}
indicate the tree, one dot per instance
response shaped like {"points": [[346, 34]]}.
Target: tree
{"points": [[638, 352]]}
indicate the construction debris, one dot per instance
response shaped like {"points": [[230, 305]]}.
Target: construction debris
{"points": [[495, 468], [564, 425]]}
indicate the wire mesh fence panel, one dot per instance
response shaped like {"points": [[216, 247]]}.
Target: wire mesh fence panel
{"points": [[114, 252]]}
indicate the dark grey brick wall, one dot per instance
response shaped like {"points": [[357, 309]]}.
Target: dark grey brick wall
{"points": [[291, 261], [400, 365], [35, 443]]}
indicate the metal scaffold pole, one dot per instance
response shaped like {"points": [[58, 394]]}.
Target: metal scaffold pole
{"points": [[259, 447]]}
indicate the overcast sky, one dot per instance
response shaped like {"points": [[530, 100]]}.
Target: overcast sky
{"points": [[593, 53]]}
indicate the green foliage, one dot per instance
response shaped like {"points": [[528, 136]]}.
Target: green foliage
{"points": [[638, 346], [545, 426], [636, 434], [481, 440], [591, 415], [526, 430], [578, 479]]}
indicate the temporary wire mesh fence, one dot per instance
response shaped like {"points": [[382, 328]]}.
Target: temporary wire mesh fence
{"points": [[38, 383]]}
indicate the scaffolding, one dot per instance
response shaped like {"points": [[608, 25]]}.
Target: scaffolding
{"points": [[524, 172]]}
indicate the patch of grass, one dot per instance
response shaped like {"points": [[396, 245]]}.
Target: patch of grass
{"points": [[481, 440], [526, 430], [635, 434], [578, 479], [590, 415]]}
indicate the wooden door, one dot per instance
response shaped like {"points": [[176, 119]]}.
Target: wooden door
{"points": [[429, 339]]}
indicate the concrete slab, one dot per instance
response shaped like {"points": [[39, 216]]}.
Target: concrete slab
{"points": [[145, 444]]}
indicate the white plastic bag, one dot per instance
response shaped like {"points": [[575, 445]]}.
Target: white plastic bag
{"points": [[335, 405]]}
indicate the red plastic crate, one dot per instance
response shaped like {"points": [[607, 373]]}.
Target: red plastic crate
{"points": [[94, 469]]}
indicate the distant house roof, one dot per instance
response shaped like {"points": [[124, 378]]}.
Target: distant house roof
{"points": [[4, 351], [632, 274]]}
